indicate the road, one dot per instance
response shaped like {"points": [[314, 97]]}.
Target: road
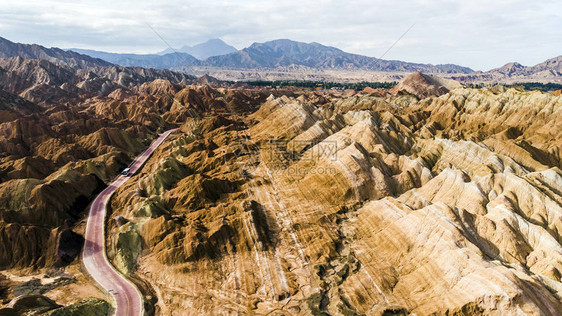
{"points": [[126, 296]]}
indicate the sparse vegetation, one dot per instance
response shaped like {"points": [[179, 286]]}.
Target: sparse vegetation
{"points": [[523, 86], [320, 84]]}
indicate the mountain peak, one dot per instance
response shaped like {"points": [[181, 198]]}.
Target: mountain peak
{"points": [[202, 51], [512, 65], [214, 41], [509, 68]]}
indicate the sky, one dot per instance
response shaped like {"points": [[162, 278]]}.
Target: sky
{"points": [[481, 34]]}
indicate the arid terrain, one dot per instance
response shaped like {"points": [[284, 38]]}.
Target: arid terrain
{"points": [[363, 204], [430, 198]]}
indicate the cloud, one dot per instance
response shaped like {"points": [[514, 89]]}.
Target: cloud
{"points": [[481, 34]]}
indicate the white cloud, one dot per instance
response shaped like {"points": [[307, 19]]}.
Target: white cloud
{"points": [[481, 34]]}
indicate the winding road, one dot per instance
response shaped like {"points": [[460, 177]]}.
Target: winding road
{"points": [[126, 296]]}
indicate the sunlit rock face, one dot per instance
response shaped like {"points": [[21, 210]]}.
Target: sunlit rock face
{"points": [[353, 205]]}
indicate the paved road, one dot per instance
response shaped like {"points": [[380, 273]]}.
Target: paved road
{"points": [[126, 296]]}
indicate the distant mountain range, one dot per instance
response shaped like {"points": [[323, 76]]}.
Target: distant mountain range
{"points": [[43, 75], [549, 70], [167, 61], [55, 55], [284, 52], [270, 55], [277, 55], [212, 47]]}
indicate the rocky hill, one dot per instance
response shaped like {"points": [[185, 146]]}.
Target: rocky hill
{"points": [[423, 86], [13, 106]]}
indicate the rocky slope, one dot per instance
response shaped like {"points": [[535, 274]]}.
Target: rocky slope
{"points": [[75, 149], [353, 204], [64, 134]]}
